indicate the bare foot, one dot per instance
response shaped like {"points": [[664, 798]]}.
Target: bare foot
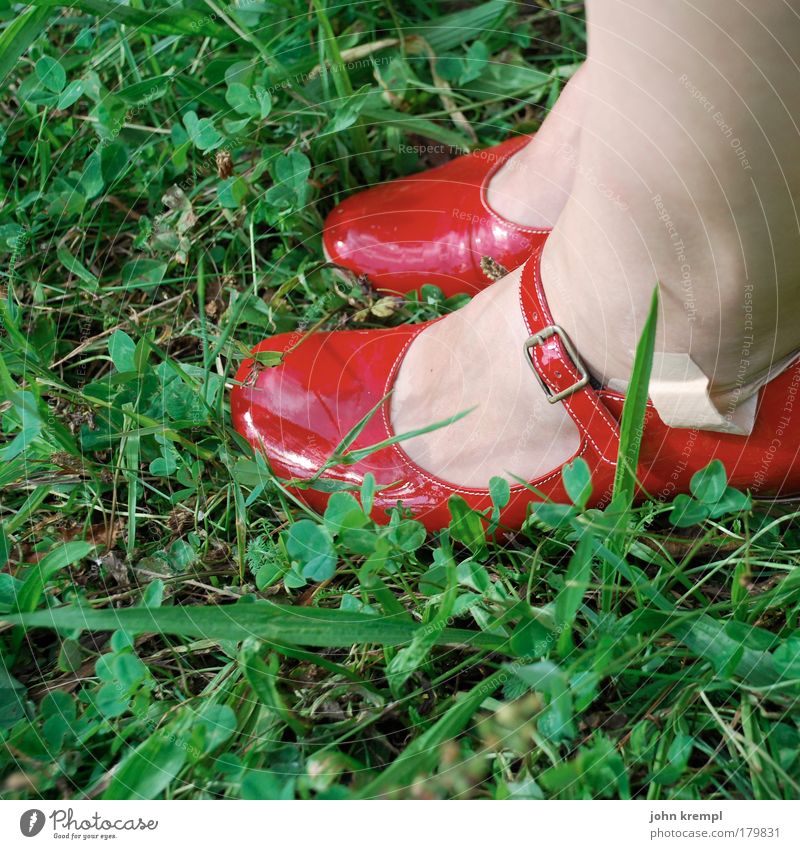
{"points": [[474, 358]]}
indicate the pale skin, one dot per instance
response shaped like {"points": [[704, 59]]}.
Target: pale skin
{"points": [[670, 160]]}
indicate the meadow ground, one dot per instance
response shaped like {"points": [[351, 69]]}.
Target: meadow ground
{"points": [[192, 631]]}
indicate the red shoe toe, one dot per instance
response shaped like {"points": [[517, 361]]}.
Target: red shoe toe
{"points": [[299, 412], [432, 227]]}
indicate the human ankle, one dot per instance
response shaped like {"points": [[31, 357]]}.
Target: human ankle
{"points": [[532, 188]]}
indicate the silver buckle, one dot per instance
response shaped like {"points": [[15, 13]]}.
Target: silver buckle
{"points": [[537, 339]]}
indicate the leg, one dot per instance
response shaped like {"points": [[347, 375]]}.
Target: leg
{"points": [[686, 176], [691, 120], [533, 187]]}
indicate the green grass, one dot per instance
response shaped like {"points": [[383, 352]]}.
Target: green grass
{"points": [[190, 631]]}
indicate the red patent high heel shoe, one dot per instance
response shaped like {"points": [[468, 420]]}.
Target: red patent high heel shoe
{"points": [[297, 413], [434, 227]]}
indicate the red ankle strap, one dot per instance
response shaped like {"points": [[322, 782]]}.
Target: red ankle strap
{"points": [[558, 366]]}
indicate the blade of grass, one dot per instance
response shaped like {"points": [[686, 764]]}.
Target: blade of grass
{"points": [[454, 29], [344, 89], [633, 411], [171, 20], [319, 627], [630, 442], [341, 454], [32, 590], [18, 36], [419, 757], [263, 678]]}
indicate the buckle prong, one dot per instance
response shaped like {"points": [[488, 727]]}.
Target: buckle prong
{"points": [[543, 335]]}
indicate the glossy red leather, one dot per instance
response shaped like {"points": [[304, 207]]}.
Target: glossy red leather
{"points": [[432, 227], [299, 411]]}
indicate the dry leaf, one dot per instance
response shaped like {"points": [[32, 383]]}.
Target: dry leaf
{"points": [[224, 164]]}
